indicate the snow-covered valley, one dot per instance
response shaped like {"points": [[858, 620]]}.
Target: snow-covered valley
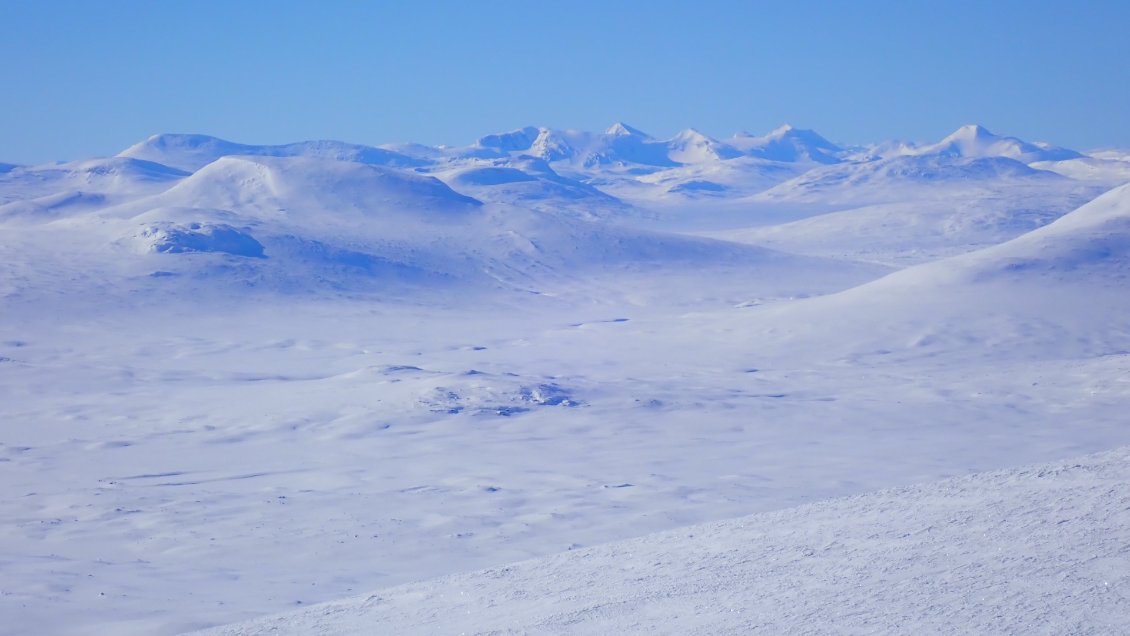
{"points": [[237, 379]]}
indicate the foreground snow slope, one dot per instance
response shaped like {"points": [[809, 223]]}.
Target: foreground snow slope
{"points": [[1040, 550]]}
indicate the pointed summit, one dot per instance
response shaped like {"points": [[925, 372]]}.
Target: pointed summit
{"points": [[692, 146], [973, 130], [974, 141], [789, 143], [690, 134], [620, 129]]}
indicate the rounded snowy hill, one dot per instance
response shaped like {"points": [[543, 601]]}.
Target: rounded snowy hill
{"points": [[192, 152], [530, 181], [1018, 300], [902, 176], [312, 225], [112, 176]]}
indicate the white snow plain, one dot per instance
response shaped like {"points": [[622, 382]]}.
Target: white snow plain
{"points": [[238, 379]]}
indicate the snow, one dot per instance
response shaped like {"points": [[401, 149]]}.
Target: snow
{"points": [[237, 378], [1040, 549], [789, 144], [973, 140], [192, 152]]}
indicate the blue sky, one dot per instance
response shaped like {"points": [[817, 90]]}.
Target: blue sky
{"points": [[90, 78]]}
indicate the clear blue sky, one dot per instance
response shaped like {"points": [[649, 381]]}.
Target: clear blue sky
{"points": [[91, 77]]}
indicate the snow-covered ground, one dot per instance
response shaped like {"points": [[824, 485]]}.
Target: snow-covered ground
{"points": [[235, 379], [1038, 550]]}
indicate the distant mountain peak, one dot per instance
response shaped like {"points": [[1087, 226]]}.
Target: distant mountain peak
{"points": [[620, 129], [972, 131], [974, 140], [519, 139], [692, 134], [790, 144]]}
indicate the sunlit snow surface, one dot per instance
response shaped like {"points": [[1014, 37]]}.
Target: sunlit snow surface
{"points": [[231, 385], [1040, 549]]}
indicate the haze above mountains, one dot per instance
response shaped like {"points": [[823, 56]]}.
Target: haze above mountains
{"points": [[236, 378]]}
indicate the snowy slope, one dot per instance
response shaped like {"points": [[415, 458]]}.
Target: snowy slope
{"points": [[918, 225], [1020, 299], [531, 182], [902, 177], [1107, 171], [113, 176], [1040, 549]]}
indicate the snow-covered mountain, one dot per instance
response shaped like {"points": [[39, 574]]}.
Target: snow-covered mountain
{"points": [[976, 141], [891, 179], [192, 152], [788, 144]]}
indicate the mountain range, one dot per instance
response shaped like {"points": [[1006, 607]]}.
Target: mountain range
{"points": [[236, 379]]}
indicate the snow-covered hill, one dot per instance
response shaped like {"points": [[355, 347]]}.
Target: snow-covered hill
{"points": [[1021, 299], [114, 176], [192, 152]]}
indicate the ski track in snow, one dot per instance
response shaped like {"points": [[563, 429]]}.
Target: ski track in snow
{"points": [[237, 379]]}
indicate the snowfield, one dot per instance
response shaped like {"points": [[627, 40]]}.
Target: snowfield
{"points": [[238, 380], [1038, 550]]}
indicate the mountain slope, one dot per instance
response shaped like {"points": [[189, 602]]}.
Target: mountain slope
{"points": [[1017, 300]]}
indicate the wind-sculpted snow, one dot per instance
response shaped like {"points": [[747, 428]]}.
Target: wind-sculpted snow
{"points": [[1034, 550]]}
